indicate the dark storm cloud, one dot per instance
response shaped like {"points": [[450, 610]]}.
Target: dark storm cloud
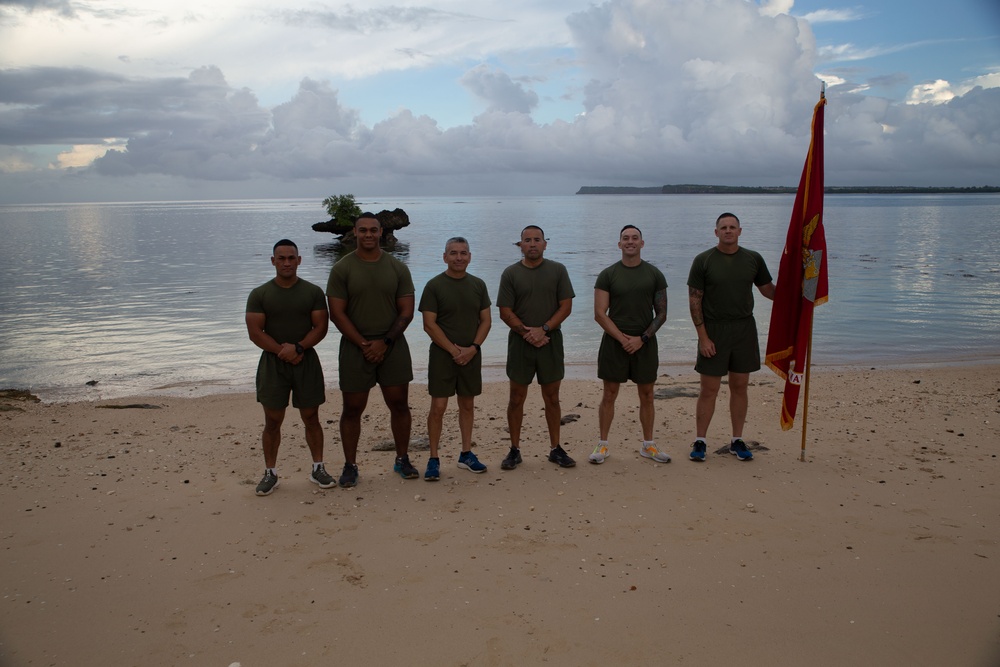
{"points": [[81, 106]]}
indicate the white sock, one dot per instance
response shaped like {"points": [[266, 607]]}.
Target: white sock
{"points": [[316, 465], [602, 443], [701, 439], [648, 443], [273, 471]]}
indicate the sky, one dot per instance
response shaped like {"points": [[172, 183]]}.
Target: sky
{"points": [[141, 100]]}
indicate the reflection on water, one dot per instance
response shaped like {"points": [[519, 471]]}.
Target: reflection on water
{"points": [[152, 295], [327, 254]]}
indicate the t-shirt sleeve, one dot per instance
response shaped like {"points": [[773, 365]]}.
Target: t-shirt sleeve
{"points": [[661, 280], [255, 302], [428, 299], [505, 294], [696, 276], [484, 296], [603, 281], [336, 284], [565, 289], [763, 275], [405, 283], [319, 299]]}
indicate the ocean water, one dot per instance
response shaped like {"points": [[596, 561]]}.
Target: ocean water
{"points": [[148, 298]]}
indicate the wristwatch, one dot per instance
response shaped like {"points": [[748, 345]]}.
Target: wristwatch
{"points": [[644, 338], [299, 349], [545, 328], [388, 341]]}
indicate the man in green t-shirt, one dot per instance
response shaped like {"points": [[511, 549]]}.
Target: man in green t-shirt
{"points": [[534, 298], [720, 297], [286, 318], [370, 293], [456, 311], [630, 304]]}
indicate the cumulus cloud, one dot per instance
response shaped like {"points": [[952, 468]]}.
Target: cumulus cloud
{"points": [[941, 91], [671, 92], [499, 90]]}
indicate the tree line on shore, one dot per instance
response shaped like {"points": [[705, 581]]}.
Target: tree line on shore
{"points": [[781, 190]]}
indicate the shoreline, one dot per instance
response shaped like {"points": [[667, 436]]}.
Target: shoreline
{"points": [[492, 373], [880, 548]]}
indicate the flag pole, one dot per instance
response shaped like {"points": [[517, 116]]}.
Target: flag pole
{"points": [[805, 398]]}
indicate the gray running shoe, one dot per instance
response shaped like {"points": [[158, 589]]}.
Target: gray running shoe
{"points": [[322, 477], [651, 452], [268, 483]]}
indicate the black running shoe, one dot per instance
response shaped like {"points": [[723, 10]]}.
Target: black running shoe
{"points": [[559, 455], [405, 468], [321, 477], [512, 460], [350, 475]]}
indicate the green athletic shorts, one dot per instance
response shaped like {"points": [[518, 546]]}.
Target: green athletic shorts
{"points": [[276, 379], [614, 364], [358, 375], [446, 378], [524, 360], [736, 348]]}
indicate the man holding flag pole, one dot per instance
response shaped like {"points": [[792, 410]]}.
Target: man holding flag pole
{"points": [[802, 283]]}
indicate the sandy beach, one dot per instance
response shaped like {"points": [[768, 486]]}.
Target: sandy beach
{"points": [[131, 534]]}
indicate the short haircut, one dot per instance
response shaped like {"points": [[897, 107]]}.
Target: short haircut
{"points": [[630, 227], [456, 239], [369, 216], [727, 215], [533, 227], [284, 242]]}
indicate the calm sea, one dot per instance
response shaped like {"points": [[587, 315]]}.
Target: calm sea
{"points": [[148, 298]]}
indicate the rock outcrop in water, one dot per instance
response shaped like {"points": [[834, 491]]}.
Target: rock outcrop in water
{"points": [[391, 221]]}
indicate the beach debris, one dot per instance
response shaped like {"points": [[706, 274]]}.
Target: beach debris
{"points": [[676, 392], [18, 395], [569, 419], [751, 444], [130, 406], [92, 383]]}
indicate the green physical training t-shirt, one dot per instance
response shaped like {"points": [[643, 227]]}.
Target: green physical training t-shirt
{"points": [[727, 282], [456, 303], [534, 293], [632, 290], [371, 290], [287, 310]]}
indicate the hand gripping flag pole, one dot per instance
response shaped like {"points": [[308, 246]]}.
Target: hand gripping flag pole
{"points": [[802, 283]]}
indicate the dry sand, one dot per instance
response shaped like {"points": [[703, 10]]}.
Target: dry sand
{"points": [[133, 536]]}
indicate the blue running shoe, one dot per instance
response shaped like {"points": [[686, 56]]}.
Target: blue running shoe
{"points": [[433, 473], [698, 451], [740, 450], [469, 461]]}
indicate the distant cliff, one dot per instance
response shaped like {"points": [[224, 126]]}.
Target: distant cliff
{"points": [[779, 190]]}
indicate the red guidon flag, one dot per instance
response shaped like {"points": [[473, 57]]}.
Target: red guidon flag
{"points": [[802, 277]]}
